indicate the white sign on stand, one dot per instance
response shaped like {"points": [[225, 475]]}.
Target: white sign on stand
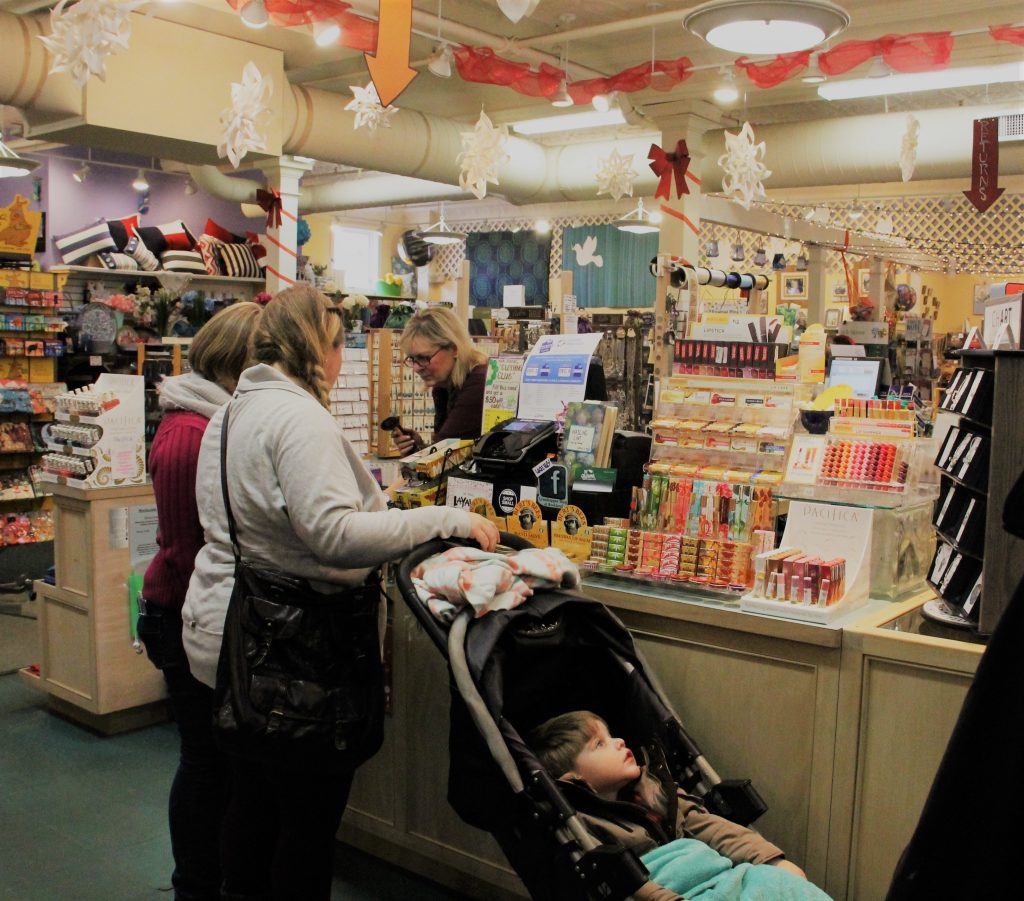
{"points": [[1004, 311], [554, 374], [828, 531]]}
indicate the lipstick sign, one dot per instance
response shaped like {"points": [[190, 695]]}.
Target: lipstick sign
{"points": [[985, 165]]}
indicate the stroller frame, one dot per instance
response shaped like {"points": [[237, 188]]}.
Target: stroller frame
{"points": [[607, 872]]}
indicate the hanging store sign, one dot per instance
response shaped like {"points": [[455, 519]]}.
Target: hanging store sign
{"points": [[985, 189]]}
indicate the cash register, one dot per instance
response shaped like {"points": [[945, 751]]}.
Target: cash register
{"points": [[515, 445]]}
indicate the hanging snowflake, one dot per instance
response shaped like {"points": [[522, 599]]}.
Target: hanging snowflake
{"points": [[743, 167], [483, 152], [615, 175], [366, 106], [84, 35], [908, 149], [249, 109]]}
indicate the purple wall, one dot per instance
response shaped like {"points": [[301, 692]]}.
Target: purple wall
{"points": [[108, 194]]}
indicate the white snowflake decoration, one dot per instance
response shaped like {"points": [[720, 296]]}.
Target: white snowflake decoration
{"points": [[366, 105], [615, 175], [249, 109], [743, 168], [84, 35], [908, 149], [483, 153]]}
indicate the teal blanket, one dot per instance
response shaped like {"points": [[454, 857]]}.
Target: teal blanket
{"points": [[699, 873]]}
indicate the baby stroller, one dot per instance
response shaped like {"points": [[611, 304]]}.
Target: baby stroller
{"points": [[512, 670]]}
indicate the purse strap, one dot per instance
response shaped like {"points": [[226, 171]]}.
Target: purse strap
{"points": [[232, 530]]}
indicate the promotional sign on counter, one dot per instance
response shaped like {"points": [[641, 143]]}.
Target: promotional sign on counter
{"points": [[554, 374], [501, 390]]}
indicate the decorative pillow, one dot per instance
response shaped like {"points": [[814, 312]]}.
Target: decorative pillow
{"points": [[206, 246], [141, 254], [259, 249], [122, 229], [153, 239], [177, 235], [183, 261], [238, 260], [75, 247], [214, 230], [113, 260]]}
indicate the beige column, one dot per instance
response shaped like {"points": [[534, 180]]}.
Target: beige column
{"points": [[876, 288], [815, 283], [283, 175], [680, 226]]}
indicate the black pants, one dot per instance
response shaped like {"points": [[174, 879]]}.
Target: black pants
{"points": [[279, 831], [199, 791]]}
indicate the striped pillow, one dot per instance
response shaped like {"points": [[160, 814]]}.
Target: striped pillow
{"points": [[237, 260], [141, 254], [76, 247], [177, 235], [113, 260], [122, 229], [183, 261]]}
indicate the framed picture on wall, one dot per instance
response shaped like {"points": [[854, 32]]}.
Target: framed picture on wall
{"points": [[980, 296], [833, 318], [794, 286], [839, 290], [864, 282]]}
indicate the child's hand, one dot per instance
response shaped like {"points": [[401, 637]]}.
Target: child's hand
{"points": [[784, 864]]}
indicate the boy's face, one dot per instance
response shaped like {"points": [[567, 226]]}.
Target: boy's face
{"points": [[606, 764]]}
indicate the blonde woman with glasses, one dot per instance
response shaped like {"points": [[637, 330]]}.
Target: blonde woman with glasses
{"points": [[437, 345], [304, 504]]}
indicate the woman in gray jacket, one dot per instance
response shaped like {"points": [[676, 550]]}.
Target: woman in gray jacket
{"points": [[305, 504]]}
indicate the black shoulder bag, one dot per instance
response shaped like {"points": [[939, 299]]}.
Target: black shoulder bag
{"points": [[297, 668]]}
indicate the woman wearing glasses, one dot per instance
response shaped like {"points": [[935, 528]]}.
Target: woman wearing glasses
{"points": [[303, 503], [438, 347]]}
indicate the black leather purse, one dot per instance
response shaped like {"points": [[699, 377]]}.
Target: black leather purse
{"points": [[297, 668]]}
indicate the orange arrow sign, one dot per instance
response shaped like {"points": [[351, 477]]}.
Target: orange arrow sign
{"points": [[389, 68]]}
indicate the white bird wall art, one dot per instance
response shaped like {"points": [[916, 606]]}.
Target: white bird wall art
{"points": [[585, 255]]}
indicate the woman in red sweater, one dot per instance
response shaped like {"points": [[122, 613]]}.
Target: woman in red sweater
{"points": [[218, 354]]}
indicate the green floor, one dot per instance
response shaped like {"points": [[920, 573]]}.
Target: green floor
{"points": [[84, 818]]}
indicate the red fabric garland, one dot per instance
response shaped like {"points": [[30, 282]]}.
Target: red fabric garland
{"points": [[1012, 33], [357, 33], [921, 52], [776, 71], [664, 165]]}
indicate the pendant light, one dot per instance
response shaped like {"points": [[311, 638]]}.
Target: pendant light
{"points": [[638, 221], [440, 63], [762, 27], [561, 97], [726, 91], [442, 233], [326, 32], [254, 14], [813, 75], [12, 165]]}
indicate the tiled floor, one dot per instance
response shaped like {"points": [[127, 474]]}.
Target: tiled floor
{"points": [[83, 818]]}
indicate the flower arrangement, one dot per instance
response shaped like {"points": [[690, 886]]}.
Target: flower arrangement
{"points": [[155, 308], [123, 303], [354, 306]]}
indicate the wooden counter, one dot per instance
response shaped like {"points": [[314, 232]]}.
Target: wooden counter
{"points": [[840, 728]]}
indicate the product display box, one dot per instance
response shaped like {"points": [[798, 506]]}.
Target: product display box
{"points": [[437, 458]]}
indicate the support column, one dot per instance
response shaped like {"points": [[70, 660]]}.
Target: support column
{"points": [[680, 225], [815, 283], [283, 175], [877, 288]]}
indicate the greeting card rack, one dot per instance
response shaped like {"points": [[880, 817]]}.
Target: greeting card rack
{"points": [[979, 460]]}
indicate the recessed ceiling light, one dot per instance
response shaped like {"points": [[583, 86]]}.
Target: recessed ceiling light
{"points": [[758, 26]]}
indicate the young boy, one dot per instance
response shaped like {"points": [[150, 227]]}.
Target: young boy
{"points": [[642, 808]]}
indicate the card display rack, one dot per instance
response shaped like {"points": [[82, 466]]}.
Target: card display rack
{"points": [[395, 390], [978, 461]]}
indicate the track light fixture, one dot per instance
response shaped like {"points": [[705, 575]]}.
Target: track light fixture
{"points": [[813, 75], [441, 62], [254, 14], [81, 173], [141, 183], [561, 97], [190, 185]]}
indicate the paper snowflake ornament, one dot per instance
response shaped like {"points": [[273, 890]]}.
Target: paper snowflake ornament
{"points": [[84, 35], [743, 168], [366, 105], [908, 148], [483, 153], [249, 110], [615, 175]]}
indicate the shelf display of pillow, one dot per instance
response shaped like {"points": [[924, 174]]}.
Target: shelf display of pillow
{"points": [[153, 239], [259, 249], [206, 245], [112, 260], [183, 261], [122, 229], [77, 246], [237, 260], [141, 254]]}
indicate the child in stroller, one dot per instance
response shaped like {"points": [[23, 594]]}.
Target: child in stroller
{"points": [[641, 807]]}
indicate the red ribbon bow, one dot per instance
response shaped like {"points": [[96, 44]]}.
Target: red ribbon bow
{"points": [[664, 164], [270, 203]]}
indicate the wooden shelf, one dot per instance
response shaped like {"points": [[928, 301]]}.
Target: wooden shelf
{"points": [[98, 273]]}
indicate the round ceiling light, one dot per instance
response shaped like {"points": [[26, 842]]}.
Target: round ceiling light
{"points": [[760, 27]]}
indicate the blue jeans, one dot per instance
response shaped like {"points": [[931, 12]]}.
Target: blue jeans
{"points": [[199, 792]]}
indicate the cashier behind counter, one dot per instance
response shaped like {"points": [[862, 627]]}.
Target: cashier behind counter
{"points": [[438, 347]]}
